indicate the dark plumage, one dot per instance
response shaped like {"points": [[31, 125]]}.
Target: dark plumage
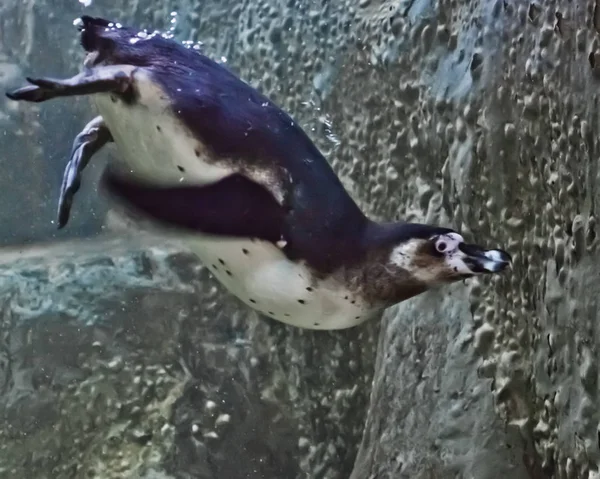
{"points": [[206, 154], [238, 122]]}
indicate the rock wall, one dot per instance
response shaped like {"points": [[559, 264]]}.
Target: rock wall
{"points": [[501, 381], [481, 115], [121, 358]]}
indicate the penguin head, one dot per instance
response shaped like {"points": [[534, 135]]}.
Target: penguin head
{"points": [[445, 257]]}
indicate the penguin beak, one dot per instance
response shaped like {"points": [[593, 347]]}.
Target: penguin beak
{"points": [[481, 261]]}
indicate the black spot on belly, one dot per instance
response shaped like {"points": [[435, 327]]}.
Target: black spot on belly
{"points": [[271, 313], [221, 261], [345, 297], [158, 128], [357, 317], [214, 266], [229, 272], [113, 99], [252, 301], [353, 302], [286, 315], [181, 168], [309, 289], [316, 324], [301, 301], [245, 251], [197, 153]]}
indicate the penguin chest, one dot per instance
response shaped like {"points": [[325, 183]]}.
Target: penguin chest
{"points": [[260, 275], [152, 142]]}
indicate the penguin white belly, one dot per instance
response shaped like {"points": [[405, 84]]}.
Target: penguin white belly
{"points": [[260, 275], [153, 143]]}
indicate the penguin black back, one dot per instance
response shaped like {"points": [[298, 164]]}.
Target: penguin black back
{"points": [[205, 155]]}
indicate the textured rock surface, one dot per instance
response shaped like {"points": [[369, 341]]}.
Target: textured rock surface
{"points": [[501, 98], [482, 115], [118, 359]]}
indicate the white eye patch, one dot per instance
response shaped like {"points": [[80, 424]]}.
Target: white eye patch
{"points": [[450, 263], [454, 258], [448, 243], [404, 256]]}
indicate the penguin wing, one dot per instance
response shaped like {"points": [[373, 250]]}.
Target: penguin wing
{"points": [[303, 200], [238, 207], [315, 215], [234, 207]]}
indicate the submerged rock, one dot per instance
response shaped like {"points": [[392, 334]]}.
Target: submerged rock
{"points": [[481, 114], [121, 357]]}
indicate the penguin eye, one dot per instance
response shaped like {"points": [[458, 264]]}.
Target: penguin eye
{"points": [[441, 246]]}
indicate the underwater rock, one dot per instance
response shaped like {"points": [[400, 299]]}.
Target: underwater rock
{"points": [[490, 104], [118, 358], [481, 114]]}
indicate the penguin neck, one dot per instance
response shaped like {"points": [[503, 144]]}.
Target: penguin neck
{"points": [[371, 276], [380, 235]]}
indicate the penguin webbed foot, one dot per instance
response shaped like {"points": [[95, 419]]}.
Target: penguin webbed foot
{"points": [[86, 144], [95, 80]]}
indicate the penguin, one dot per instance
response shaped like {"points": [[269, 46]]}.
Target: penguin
{"points": [[204, 155]]}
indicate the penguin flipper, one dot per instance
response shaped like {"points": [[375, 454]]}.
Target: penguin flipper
{"points": [[103, 79], [86, 144], [233, 207]]}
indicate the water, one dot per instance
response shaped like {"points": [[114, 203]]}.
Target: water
{"points": [[121, 356]]}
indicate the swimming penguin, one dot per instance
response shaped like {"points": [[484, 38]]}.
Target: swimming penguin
{"points": [[204, 154]]}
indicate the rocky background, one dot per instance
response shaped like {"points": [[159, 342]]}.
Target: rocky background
{"points": [[120, 357]]}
